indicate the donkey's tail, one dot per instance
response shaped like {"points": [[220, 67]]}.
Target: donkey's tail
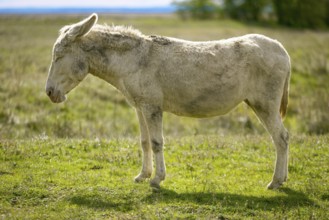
{"points": [[284, 99]]}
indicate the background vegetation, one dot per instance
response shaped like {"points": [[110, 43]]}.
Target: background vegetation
{"points": [[95, 109], [292, 13], [76, 160]]}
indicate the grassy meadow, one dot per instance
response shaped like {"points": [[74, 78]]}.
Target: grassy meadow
{"points": [[77, 160]]}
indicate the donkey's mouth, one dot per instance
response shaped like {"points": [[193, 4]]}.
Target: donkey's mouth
{"points": [[57, 98]]}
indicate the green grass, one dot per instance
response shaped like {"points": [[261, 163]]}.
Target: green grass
{"points": [[208, 177], [77, 160]]}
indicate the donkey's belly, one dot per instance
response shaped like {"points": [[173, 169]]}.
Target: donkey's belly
{"points": [[204, 97], [202, 107]]}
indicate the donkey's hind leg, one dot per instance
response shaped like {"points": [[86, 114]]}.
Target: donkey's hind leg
{"points": [[280, 138], [269, 115]]}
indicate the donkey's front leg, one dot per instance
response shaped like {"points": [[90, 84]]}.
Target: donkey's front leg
{"points": [[147, 167], [153, 119]]}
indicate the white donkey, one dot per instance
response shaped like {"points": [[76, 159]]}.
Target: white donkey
{"points": [[197, 79]]}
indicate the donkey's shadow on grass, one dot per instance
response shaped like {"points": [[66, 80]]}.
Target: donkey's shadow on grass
{"points": [[288, 198]]}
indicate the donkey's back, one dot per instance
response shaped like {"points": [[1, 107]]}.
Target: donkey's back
{"points": [[202, 79]]}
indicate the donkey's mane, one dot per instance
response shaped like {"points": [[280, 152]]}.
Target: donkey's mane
{"points": [[120, 38], [127, 31]]}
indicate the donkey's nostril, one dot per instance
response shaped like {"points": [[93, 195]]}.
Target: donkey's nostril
{"points": [[50, 91]]}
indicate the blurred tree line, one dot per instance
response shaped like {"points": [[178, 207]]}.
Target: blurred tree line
{"points": [[292, 13]]}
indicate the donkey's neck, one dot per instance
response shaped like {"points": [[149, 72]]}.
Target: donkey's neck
{"points": [[113, 52]]}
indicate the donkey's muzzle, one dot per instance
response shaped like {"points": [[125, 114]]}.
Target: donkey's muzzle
{"points": [[55, 95]]}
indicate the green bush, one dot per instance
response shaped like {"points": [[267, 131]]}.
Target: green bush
{"points": [[291, 13], [301, 13]]}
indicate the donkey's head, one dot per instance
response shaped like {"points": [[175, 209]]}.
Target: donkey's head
{"points": [[69, 64]]}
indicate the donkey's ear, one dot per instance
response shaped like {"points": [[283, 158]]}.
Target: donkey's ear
{"points": [[82, 28]]}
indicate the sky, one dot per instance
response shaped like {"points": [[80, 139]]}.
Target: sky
{"points": [[82, 3]]}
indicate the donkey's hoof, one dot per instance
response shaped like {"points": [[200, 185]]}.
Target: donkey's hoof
{"points": [[274, 184], [155, 185], [141, 177]]}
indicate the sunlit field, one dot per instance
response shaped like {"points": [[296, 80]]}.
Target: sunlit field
{"points": [[77, 160]]}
